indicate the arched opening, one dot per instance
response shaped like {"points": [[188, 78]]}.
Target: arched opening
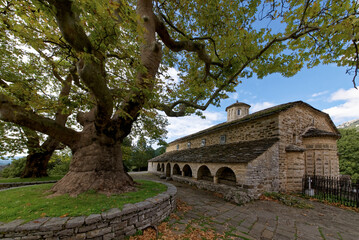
{"points": [[176, 170], [187, 171], [158, 167], [163, 167], [226, 176], [168, 170], [204, 174]]}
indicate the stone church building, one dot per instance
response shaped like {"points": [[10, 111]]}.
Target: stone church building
{"points": [[266, 151]]}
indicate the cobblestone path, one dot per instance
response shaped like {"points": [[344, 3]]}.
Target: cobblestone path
{"points": [[261, 219]]}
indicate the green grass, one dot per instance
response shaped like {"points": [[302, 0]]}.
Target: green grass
{"points": [[30, 203], [13, 180], [289, 200]]}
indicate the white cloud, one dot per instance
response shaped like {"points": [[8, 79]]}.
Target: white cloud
{"points": [[319, 94], [346, 111], [260, 106], [174, 74], [183, 126], [233, 96]]}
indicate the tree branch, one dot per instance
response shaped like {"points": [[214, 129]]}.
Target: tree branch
{"points": [[168, 109], [10, 112], [91, 71], [188, 45]]}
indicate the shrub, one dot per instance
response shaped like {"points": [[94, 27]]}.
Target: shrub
{"points": [[59, 164], [15, 169]]}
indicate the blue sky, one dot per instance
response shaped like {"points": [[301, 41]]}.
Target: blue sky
{"points": [[325, 87]]}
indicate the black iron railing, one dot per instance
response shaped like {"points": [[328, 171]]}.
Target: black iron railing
{"points": [[332, 189]]}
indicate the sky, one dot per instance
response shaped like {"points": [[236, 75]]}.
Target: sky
{"points": [[325, 87]]}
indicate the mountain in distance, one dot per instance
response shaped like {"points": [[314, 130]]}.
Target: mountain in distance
{"points": [[7, 160], [350, 124]]}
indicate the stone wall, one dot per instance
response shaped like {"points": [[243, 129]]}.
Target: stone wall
{"points": [[230, 193], [252, 179], [262, 128], [290, 166], [293, 124], [21, 184], [263, 173], [113, 224], [321, 157]]}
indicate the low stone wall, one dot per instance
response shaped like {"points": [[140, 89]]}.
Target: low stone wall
{"points": [[21, 184], [113, 224], [233, 194]]}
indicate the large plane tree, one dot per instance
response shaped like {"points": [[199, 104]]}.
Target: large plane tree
{"points": [[123, 50]]}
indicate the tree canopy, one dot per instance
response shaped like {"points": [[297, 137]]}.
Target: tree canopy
{"points": [[348, 149], [116, 55]]}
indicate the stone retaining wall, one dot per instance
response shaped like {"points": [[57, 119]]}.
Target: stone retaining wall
{"points": [[113, 224], [21, 184], [238, 195]]}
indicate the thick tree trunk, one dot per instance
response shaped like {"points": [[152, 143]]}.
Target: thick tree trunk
{"points": [[38, 158], [96, 165], [36, 164]]}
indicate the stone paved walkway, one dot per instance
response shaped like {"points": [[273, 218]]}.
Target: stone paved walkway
{"points": [[262, 219]]}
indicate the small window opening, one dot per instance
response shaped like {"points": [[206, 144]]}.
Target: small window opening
{"points": [[189, 145], [222, 139], [203, 142], [239, 112]]}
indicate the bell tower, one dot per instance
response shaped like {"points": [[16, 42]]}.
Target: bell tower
{"points": [[237, 110]]}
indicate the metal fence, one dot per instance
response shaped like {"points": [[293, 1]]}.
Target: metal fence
{"points": [[332, 189]]}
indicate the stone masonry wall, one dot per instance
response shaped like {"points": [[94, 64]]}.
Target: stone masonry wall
{"points": [[293, 124], [113, 224], [321, 157], [252, 179], [265, 127], [263, 172], [21, 184], [230, 193]]}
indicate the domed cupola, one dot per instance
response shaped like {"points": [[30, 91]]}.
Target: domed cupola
{"points": [[237, 110]]}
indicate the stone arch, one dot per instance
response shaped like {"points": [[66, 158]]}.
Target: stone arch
{"points": [[176, 170], [204, 173], [168, 170], [187, 171], [225, 175], [158, 167], [163, 167]]}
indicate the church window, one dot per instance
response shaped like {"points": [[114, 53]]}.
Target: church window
{"points": [[222, 139]]}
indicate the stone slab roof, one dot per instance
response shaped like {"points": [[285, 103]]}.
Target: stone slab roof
{"points": [[242, 152], [263, 113], [238, 104], [294, 148], [314, 132]]}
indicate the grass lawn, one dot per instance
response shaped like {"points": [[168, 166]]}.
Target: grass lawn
{"points": [[11, 180], [29, 203]]}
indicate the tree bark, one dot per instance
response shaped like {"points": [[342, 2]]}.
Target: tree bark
{"points": [[96, 165], [38, 158], [36, 164]]}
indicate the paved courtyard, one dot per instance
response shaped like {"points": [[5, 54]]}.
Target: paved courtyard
{"points": [[260, 219]]}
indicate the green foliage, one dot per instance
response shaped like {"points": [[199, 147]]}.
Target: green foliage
{"points": [[59, 163], [348, 148], [140, 154], [212, 46], [32, 202], [135, 157], [15, 169], [288, 200]]}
